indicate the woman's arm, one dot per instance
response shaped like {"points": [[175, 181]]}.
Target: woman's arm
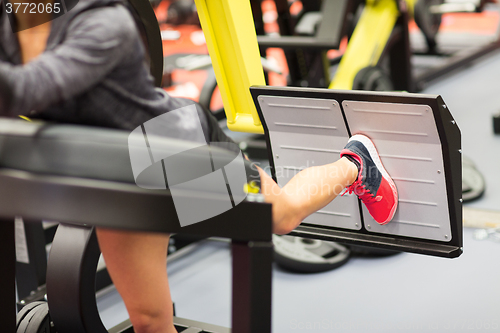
{"points": [[95, 43]]}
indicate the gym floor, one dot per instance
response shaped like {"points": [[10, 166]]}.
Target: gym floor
{"points": [[404, 292]]}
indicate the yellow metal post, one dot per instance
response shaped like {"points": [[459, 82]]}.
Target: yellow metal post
{"points": [[367, 42], [232, 43]]}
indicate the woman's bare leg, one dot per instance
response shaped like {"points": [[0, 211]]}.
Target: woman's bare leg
{"points": [[308, 191], [137, 264], [137, 261]]}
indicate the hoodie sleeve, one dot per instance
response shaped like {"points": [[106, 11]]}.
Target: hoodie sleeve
{"points": [[96, 42]]}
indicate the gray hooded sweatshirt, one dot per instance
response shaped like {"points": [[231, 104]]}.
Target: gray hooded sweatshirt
{"points": [[92, 73]]}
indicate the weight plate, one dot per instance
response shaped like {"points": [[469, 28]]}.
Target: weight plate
{"points": [[372, 78], [25, 310], [473, 183], [40, 322], [306, 255], [36, 320]]}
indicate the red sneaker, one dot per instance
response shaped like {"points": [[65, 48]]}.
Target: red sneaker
{"points": [[373, 186]]}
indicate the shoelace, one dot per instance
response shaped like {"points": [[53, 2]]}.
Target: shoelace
{"points": [[362, 192]]}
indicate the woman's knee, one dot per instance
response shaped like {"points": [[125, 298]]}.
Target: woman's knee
{"points": [[156, 321]]}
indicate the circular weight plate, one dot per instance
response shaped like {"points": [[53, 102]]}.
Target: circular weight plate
{"points": [[427, 22], [25, 311], [473, 183], [306, 255], [35, 320], [40, 322], [372, 78]]}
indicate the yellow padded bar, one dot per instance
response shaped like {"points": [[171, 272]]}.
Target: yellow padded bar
{"points": [[367, 42], [232, 44]]}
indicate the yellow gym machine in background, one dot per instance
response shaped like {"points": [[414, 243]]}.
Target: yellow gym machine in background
{"points": [[369, 39], [381, 32], [232, 43]]}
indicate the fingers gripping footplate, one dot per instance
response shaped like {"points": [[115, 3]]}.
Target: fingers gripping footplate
{"points": [[419, 144]]}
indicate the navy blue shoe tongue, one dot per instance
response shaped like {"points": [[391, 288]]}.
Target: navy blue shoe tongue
{"points": [[353, 160], [371, 175]]}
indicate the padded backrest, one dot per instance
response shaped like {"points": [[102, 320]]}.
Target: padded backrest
{"points": [[213, 178], [96, 153]]}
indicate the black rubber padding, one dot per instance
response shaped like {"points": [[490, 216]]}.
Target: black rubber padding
{"points": [[366, 251]]}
